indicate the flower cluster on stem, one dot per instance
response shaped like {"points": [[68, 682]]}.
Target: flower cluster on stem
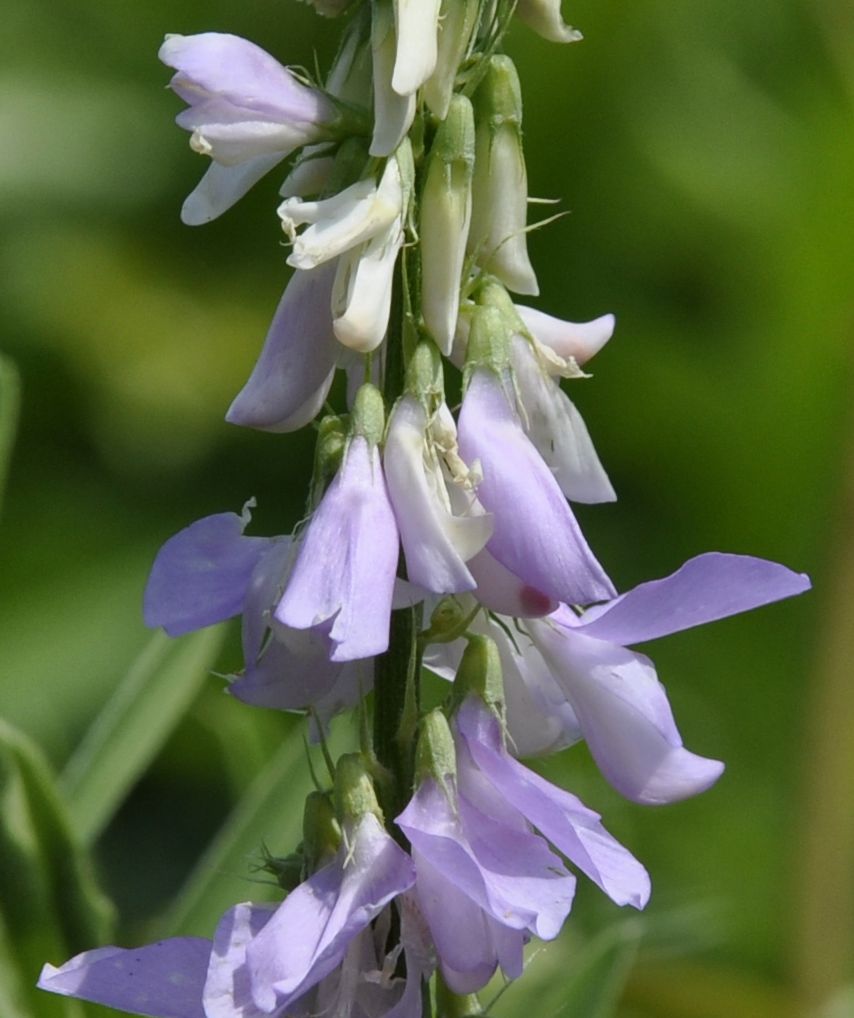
{"points": [[435, 536]]}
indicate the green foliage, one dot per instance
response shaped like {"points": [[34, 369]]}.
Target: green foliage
{"points": [[50, 905], [9, 405], [134, 724]]}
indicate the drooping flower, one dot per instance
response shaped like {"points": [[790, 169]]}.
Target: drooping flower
{"points": [[535, 533], [484, 884], [314, 949], [308, 935], [345, 569], [437, 543], [246, 111], [621, 707], [212, 571]]}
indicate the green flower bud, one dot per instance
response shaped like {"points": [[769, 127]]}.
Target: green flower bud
{"points": [[368, 418], [500, 187], [354, 790], [446, 208]]}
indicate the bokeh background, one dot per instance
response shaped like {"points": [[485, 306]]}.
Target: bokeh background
{"points": [[705, 153]]}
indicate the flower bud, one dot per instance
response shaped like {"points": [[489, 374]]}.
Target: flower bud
{"points": [[321, 833], [435, 756], [500, 188], [446, 208], [480, 674], [457, 22], [331, 439], [354, 790]]}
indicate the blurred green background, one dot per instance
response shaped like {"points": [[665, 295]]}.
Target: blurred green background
{"points": [[705, 152]]}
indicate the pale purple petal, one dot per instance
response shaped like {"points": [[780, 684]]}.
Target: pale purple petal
{"points": [[535, 536], [162, 980], [507, 870], [625, 717], [283, 679], [436, 543], [218, 64], [464, 944], [227, 993], [559, 815], [347, 561], [201, 575], [223, 186], [704, 589], [262, 594], [309, 933], [298, 355]]}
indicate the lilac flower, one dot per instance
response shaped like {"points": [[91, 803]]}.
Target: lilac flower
{"points": [[484, 885], [292, 376], [192, 977], [535, 534], [485, 880], [212, 571], [308, 935], [621, 707], [436, 541], [486, 768], [345, 570], [246, 111]]}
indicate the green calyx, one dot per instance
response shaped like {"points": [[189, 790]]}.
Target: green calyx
{"points": [[368, 417], [425, 377], [454, 141], [351, 158], [498, 98], [449, 621], [321, 831], [331, 439], [354, 790], [480, 674], [435, 756], [488, 342]]}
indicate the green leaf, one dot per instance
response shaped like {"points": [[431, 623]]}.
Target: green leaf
{"points": [[10, 398], [587, 986], [594, 986], [270, 814], [134, 724], [50, 906]]}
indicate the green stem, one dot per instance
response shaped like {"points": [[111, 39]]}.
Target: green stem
{"points": [[453, 1005]]}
